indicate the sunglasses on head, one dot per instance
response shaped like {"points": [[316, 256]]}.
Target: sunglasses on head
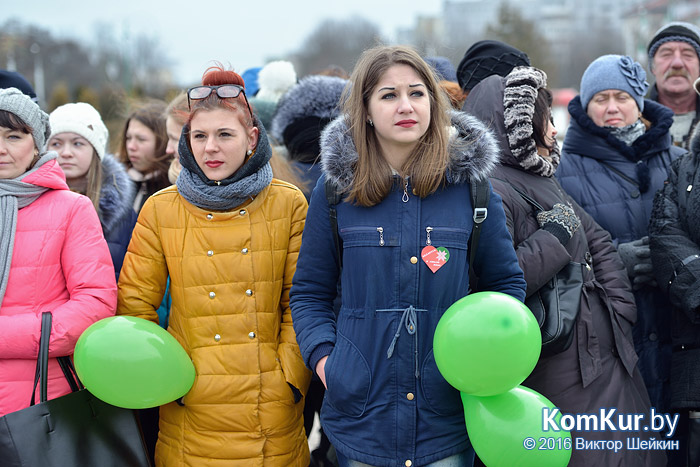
{"points": [[224, 91]]}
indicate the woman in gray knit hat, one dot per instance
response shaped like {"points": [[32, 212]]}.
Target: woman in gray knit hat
{"points": [[53, 256]]}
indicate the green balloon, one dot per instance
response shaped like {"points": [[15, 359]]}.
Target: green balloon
{"points": [[506, 430], [486, 343], [133, 363]]}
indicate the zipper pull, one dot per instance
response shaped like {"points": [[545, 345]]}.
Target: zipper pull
{"points": [[427, 231], [404, 198], [381, 235]]}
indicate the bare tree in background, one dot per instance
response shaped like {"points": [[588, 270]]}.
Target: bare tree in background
{"points": [[94, 71], [598, 40], [517, 31], [335, 42]]}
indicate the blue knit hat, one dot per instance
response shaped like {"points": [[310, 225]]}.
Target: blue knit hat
{"points": [[614, 72], [250, 78], [443, 67]]}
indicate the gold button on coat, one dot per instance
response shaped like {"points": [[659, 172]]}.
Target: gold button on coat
{"points": [[414, 260], [408, 463], [410, 396]]}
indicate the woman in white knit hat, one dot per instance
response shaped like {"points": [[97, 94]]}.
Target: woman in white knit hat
{"points": [[53, 256], [80, 138]]}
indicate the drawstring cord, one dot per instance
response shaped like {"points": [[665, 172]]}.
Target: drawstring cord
{"points": [[409, 321]]}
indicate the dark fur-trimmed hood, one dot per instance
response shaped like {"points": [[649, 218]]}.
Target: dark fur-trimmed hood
{"points": [[695, 141], [116, 195], [313, 96], [473, 151]]}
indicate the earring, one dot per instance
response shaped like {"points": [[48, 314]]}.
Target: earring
{"points": [[371, 123], [249, 152]]}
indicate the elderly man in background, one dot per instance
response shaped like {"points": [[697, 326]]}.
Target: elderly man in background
{"points": [[674, 60]]}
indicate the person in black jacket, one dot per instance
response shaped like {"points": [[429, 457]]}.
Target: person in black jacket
{"points": [[674, 233]]}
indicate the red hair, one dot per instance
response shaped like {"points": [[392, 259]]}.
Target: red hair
{"points": [[216, 76]]}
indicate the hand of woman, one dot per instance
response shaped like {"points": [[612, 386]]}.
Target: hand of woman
{"points": [[561, 221], [321, 370]]}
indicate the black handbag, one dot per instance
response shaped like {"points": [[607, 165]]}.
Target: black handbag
{"points": [[556, 304], [77, 429]]}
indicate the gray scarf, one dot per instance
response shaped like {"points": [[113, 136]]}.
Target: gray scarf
{"points": [[222, 197], [15, 195], [628, 134]]}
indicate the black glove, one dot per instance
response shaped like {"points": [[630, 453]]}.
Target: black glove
{"points": [[637, 258], [561, 221]]}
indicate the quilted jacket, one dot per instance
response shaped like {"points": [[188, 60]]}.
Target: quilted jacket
{"points": [[60, 263], [230, 275]]}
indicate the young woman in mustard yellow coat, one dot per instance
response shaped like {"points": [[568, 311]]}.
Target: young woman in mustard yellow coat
{"points": [[228, 235]]}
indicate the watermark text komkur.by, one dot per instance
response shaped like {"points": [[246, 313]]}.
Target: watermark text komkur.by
{"points": [[609, 419]]}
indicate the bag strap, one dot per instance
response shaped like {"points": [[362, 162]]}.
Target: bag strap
{"points": [[69, 372], [480, 194], [42, 363], [620, 173], [42, 358], [333, 198], [524, 195]]}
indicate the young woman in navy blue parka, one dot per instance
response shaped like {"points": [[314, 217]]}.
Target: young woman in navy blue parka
{"points": [[403, 165]]}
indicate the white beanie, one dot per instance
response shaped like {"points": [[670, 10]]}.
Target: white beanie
{"points": [[274, 79], [82, 119]]}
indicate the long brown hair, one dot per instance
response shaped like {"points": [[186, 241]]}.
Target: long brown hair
{"points": [[93, 179], [427, 163], [151, 113], [283, 170]]}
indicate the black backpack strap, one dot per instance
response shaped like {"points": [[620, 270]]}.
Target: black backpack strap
{"points": [[480, 194], [333, 198]]}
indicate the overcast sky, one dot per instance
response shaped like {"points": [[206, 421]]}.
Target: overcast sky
{"points": [[193, 34]]}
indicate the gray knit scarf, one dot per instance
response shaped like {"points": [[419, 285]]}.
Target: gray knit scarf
{"points": [[222, 197], [15, 195]]}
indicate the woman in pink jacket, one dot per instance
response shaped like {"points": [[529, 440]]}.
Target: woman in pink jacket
{"points": [[53, 256]]}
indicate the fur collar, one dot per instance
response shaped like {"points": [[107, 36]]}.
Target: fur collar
{"points": [[117, 191], [473, 156], [661, 119]]}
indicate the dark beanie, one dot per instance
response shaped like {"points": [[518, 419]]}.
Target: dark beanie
{"points": [[486, 58], [676, 31], [304, 110], [12, 79]]}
